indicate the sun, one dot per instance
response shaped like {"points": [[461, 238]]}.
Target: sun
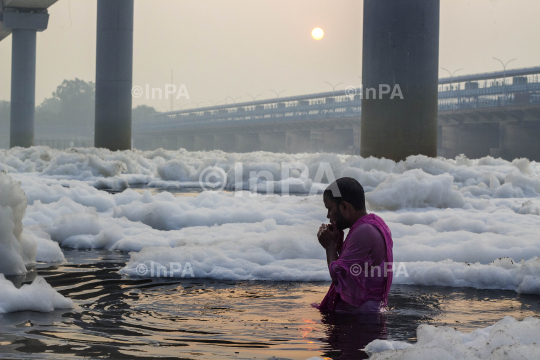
{"points": [[317, 33]]}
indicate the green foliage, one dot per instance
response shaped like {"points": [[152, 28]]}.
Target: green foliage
{"points": [[72, 104], [142, 113], [70, 110]]}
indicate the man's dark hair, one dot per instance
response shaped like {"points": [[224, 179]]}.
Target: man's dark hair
{"points": [[346, 189]]}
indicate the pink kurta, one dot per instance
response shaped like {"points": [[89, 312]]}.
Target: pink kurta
{"points": [[357, 284]]}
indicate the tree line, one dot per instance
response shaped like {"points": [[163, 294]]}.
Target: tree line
{"points": [[71, 108]]}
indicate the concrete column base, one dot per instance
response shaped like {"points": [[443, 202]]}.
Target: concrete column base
{"points": [[316, 143], [522, 140], [153, 143], [203, 143], [169, 143], [247, 142], [224, 142], [473, 140], [186, 142], [298, 142], [339, 141], [273, 142]]}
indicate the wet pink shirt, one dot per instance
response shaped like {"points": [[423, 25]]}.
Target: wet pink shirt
{"points": [[362, 275]]}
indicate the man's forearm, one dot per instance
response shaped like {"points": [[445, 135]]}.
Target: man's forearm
{"points": [[331, 254]]}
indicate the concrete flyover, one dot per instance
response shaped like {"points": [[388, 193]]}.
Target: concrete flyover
{"points": [[495, 114], [510, 131], [319, 122], [23, 19]]}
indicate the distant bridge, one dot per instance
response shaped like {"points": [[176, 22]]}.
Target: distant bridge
{"points": [[479, 115], [494, 114]]}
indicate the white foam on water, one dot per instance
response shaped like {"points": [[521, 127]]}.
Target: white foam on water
{"points": [[450, 218], [258, 251], [415, 189], [506, 339], [17, 248], [37, 296], [503, 273], [433, 182], [20, 247]]}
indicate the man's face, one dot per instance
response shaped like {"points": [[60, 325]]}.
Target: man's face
{"points": [[334, 214]]}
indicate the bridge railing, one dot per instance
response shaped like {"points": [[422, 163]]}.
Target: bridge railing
{"points": [[492, 90], [518, 98], [518, 91], [272, 115]]}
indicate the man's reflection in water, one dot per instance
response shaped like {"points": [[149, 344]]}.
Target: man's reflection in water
{"points": [[347, 334]]}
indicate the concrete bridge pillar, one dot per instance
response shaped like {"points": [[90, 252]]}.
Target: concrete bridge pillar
{"points": [[224, 142], [142, 143], [273, 141], [114, 72], [478, 139], [155, 143], [521, 140], [138, 143], [24, 27], [400, 49], [316, 143], [186, 142], [168, 143], [450, 141], [247, 142], [297, 141], [339, 141], [501, 151], [203, 143], [473, 140]]}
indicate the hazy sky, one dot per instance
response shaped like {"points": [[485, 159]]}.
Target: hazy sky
{"points": [[223, 48]]}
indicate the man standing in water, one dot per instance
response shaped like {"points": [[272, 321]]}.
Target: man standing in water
{"points": [[360, 266]]}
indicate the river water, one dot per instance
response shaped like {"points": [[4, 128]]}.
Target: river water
{"points": [[126, 318], [117, 317]]}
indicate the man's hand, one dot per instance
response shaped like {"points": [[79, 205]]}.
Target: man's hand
{"points": [[328, 235], [331, 240]]}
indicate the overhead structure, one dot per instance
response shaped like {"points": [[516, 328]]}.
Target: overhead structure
{"points": [[114, 70], [23, 19], [400, 52]]}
